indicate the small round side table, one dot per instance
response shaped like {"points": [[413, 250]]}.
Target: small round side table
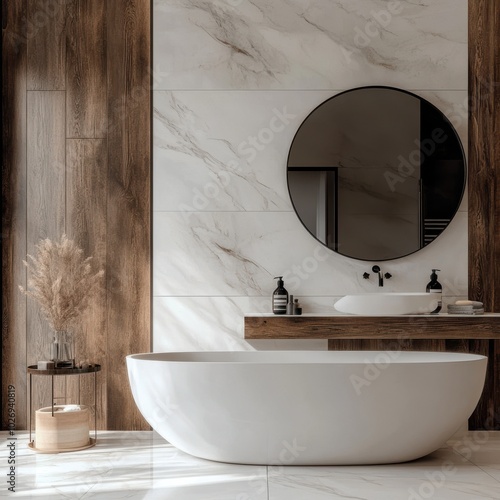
{"points": [[54, 372]]}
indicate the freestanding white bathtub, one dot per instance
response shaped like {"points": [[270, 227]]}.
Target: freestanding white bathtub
{"points": [[307, 407]]}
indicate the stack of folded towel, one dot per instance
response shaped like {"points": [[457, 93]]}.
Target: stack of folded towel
{"points": [[466, 307]]}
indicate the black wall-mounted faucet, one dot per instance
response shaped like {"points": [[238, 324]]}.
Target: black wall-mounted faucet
{"points": [[376, 269]]}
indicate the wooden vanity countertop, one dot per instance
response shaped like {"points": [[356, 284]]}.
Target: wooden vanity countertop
{"points": [[343, 326]]}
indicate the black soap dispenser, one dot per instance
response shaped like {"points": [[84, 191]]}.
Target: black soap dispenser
{"points": [[435, 287], [280, 297]]}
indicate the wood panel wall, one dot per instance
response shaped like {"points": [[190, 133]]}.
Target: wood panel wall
{"points": [[484, 152], [484, 181], [76, 133], [75, 83]]}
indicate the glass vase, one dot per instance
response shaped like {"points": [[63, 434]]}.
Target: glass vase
{"points": [[63, 349]]}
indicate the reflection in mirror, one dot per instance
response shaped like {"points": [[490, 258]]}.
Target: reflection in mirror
{"points": [[376, 173]]}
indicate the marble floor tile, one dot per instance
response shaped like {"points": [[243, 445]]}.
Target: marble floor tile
{"points": [[482, 449], [443, 475], [132, 465], [141, 465]]}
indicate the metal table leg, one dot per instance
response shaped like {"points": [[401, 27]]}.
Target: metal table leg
{"points": [[52, 394], [95, 407], [31, 402]]}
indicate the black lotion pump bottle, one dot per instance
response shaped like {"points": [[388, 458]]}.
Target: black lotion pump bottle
{"points": [[280, 297], [435, 287]]}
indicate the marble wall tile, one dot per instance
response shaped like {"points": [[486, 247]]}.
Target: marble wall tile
{"points": [[225, 150], [239, 254], [291, 44], [228, 150], [201, 323], [216, 323], [233, 80]]}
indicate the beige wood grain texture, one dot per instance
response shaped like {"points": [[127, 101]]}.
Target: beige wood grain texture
{"points": [[46, 44], [128, 208], [14, 213], [86, 112], [380, 327], [68, 41], [46, 152], [86, 184]]}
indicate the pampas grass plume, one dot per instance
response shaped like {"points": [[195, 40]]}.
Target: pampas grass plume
{"points": [[61, 281]]}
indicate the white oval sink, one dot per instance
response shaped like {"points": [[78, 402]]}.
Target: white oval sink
{"points": [[380, 304]]}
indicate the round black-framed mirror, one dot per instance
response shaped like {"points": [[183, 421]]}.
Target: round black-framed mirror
{"points": [[376, 173]]}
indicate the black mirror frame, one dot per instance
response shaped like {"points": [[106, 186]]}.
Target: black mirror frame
{"points": [[435, 108]]}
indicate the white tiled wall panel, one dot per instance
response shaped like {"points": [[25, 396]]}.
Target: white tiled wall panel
{"points": [[233, 81]]}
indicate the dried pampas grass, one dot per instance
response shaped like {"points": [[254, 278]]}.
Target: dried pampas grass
{"points": [[61, 281]]}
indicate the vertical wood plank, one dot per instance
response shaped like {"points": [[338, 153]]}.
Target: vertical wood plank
{"points": [[51, 54], [484, 152], [494, 417], [384, 345], [460, 345], [484, 186], [86, 113], [14, 211], [495, 288], [480, 418], [428, 345], [86, 161], [128, 208], [45, 211], [46, 42], [381, 345], [345, 345]]}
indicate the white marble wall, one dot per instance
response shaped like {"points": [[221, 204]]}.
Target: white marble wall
{"points": [[233, 80]]}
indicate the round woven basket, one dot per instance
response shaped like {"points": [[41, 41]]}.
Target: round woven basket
{"points": [[63, 431]]}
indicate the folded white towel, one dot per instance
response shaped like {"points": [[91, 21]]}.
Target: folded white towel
{"points": [[72, 408], [473, 303], [454, 309]]}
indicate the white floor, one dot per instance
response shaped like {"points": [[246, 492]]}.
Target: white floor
{"points": [[137, 465]]}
